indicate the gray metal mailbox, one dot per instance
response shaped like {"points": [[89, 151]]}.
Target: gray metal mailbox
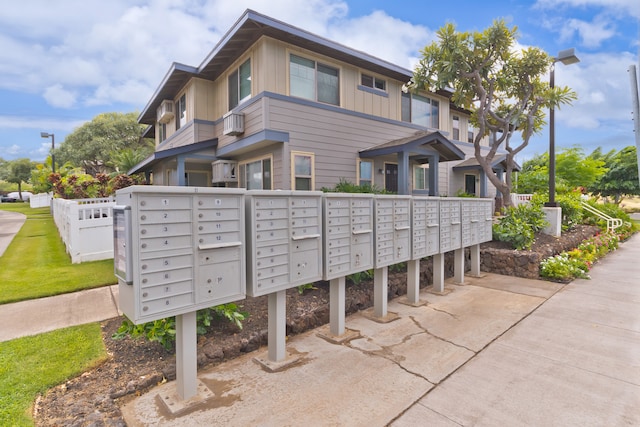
{"points": [[178, 249], [476, 221], [392, 220], [425, 217], [284, 240], [348, 234], [450, 224]]}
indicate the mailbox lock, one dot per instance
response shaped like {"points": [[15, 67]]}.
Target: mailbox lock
{"points": [[143, 217], [200, 228]]}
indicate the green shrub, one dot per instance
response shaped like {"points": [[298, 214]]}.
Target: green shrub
{"points": [[361, 276], [345, 186], [163, 331], [572, 212], [519, 225]]}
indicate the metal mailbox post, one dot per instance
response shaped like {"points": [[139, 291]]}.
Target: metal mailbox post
{"points": [[178, 250], [284, 250]]}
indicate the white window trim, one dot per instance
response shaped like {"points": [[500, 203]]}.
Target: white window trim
{"points": [[244, 163], [323, 61], [358, 177], [293, 168], [426, 177], [236, 69]]}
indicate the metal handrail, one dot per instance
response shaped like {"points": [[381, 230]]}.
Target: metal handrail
{"points": [[612, 223]]}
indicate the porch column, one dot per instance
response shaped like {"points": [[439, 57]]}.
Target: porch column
{"points": [[403, 173], [182, 180], [483, 183], [433, 174]]}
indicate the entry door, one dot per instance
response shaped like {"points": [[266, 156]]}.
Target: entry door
{"points": [[470, 184], [391, 177]]}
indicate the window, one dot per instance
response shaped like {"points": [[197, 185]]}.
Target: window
{"points": [[256, 174], [421, 177], [162, 131], [471, 134], [302, 168], [365, 172], [420, 110], [373, 82], [181, 111], [456, 127], [240, 84], [311, 80]]}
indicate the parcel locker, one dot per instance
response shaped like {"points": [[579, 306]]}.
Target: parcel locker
{"points": [[425, 217], [392, 229], [348, 234], [179, 249], [284, 240]]}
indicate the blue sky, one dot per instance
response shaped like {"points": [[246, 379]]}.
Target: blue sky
{"points": [[61, 66]]}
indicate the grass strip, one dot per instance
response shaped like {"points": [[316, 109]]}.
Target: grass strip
{"points": [[31, 365], [36, 264]]}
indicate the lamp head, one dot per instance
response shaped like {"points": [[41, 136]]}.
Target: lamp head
{"points": [[45, 134], [567, 57]]}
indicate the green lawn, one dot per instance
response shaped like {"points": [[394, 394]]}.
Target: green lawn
{"points": [[31, 365], [36, 265]]}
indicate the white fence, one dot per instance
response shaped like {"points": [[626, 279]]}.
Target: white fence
{"points": [[86, 227], [41, 200]]}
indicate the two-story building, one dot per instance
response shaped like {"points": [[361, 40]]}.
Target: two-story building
{"points": [[276, 107]]}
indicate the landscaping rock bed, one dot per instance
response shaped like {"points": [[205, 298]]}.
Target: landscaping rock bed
{"points": [[134, 366]]}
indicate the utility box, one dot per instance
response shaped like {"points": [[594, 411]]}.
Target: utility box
{"points": [[425, 218], [284, 240], [178, 249], [392, 220], [348, 234], [450, 224]]}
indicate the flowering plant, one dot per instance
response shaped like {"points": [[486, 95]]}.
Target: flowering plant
{"points": [[577, 262]]}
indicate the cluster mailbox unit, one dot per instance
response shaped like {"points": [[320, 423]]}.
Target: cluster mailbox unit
{"points": [[182, 247], [284, 243]]}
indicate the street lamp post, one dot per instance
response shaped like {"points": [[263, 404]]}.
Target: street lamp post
{"points": [[53, 147], [567, 57]]}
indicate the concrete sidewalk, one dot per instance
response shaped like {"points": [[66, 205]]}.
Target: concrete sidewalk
{"points": [[10, 224], [47, 314], [496, 351]]}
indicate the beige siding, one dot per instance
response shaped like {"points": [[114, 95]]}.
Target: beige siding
{"points": [[333, 137]]}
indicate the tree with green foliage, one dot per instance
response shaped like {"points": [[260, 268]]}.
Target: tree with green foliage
{"points": [[621, 179], [573, 170], [19, 172], [93, 144], [505, 90]]}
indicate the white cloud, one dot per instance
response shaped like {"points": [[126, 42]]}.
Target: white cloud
{"points": [[13, 150], [58, 96], [592, 34], [393, 40], [42, 123], [619, 7], [602, 83]]}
